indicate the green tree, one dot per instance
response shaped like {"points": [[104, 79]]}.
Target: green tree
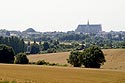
{"points": [[74, 59], [35, 48], [93, 57], [16, 43], [21, 58], [6, 54], [45, 45]]}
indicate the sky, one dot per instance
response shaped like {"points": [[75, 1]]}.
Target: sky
{"points": [[61, 15]]}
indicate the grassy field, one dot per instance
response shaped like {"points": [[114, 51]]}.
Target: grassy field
{"points": [[47, 74], [115, 58]]}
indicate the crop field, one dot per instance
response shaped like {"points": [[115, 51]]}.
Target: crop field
{"points": [[115, 58], [47, 74], [113, 70], [50, 57]]}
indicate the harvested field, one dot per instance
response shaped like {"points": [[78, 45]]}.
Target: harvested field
{"points": [[50, 57], [115, 58], [112, 72], [46, 74]]}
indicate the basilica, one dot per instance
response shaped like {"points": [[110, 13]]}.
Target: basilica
{"points": [[89, 28]]}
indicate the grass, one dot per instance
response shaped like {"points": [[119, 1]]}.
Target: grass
{"points": [[47, 74]]}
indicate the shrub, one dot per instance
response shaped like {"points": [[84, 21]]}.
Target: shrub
{"points": [[6, 54], [41, 62], [74, 59], [21, 58]]}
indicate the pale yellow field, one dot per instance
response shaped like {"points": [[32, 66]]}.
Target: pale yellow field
{"points": [[51, 57], [113, 70], [46, 74], [115, 58]]}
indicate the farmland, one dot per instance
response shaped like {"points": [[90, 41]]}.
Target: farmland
{"points": [[113, 70], [46, 74], [115, 58]]}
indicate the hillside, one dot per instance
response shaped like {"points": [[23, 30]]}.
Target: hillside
{"points": [[115, 58], [46, 74], [50, 57]]}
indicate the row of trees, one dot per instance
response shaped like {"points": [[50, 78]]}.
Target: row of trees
{"points": [[91, 57], [102, 41]]}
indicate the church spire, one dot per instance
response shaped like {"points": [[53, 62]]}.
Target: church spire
{"points": [[88, 22]]}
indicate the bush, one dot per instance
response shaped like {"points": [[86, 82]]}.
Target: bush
{"points": [[41, 62], [6, 54], [32, 63], [74, 59], [21, 58]]}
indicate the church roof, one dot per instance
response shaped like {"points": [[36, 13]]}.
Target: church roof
{"points": [[89, 28]]}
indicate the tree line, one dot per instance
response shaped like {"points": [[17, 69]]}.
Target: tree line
{"points": [[16, 43]]}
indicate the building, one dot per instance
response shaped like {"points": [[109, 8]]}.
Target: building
{"points": [[89, 28]]}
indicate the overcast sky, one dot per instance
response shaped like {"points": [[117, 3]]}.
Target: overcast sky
{"points": [[61, 15]]}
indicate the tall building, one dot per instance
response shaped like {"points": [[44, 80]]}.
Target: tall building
{"points": [[89, 28]]}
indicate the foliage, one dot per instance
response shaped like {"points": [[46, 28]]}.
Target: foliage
{"points": [[45, 45], [6, 54], [35, 48], [41, 62], [21, 58], [74, 59], [16, 43], [91, 57], [72, 37]]}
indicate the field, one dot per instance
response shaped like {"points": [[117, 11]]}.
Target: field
{"points": [[112, 72], [46, 74], [115, 58], [51, 57]]}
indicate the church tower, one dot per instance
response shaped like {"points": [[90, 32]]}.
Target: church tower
{"points": [[88, 22]]}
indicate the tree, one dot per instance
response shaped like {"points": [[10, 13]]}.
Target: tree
{"points": [[74, 59], [6, 54], [45, 45], [93, 57], [35, 48], [21, 58], [16, 43]]}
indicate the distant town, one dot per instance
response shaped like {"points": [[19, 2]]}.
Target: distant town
{"points": [[86, 29]]}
